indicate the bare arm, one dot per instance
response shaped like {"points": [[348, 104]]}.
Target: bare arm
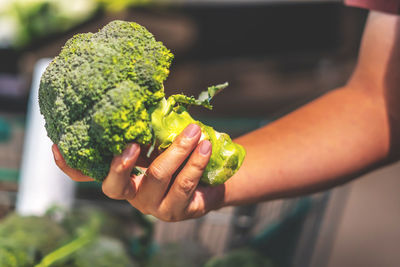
{"points": [[325, 143], [333, 138]]}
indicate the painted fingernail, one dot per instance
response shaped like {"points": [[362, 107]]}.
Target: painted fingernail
{"points": [[205, 147], [191, 130], [55, 153], [129, 152]]}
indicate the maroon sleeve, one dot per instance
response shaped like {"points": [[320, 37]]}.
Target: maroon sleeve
{"points": [[389, 6]]}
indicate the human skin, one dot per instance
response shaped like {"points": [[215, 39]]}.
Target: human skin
{"points": [[331, 140]]}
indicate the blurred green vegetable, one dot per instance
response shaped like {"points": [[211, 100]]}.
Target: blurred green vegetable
{"points": [[240, 258], [24, 239], [103, 252], [23, 21], [86, 234], [43, 242]]}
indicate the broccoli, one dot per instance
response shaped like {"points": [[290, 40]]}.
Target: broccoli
{"points": [[105, 90], [22, 240], [80, 240]]}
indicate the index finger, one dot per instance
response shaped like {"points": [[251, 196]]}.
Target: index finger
{"points": [[74, 174], [157, 178]]}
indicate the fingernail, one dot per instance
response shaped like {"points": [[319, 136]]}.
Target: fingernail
{"points": [[205, 147], [55, 153], [191, 130], [129, 152]]}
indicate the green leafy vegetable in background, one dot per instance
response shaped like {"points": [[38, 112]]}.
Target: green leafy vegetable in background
{"points": [[106, 90], [24, 21], [85, 235], [79, 240], [103, 252], [24, 239]]}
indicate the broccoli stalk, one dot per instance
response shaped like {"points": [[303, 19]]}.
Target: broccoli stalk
{"points": [[171, 117], [106, 90]]}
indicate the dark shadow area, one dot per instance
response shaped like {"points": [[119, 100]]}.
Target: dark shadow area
{"points": [[275, 57]]}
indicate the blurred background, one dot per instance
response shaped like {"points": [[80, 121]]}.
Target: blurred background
{"points": [[276, 56]]}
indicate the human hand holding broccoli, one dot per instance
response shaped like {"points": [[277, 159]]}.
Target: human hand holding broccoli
{"points": [[104, 92], [158, 191]]}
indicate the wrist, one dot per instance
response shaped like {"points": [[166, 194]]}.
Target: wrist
{"points": [[214, 197], [219, 197]]}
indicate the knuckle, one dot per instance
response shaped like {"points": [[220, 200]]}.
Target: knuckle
{"points": [[110, 192], [186, 186], [169, 217], [199, 165], [172, 219], [193, 214], [184, 145], [128, 193], [157, 172], [119, 169]]}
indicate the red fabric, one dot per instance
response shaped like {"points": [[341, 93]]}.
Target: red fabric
{"points": [[389, 6]]}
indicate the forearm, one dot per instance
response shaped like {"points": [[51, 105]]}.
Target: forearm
{"points": [[334, 138], [316, 147]]}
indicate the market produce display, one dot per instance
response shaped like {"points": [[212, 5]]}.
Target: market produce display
{"points": [[88, 237], [105, 90]]}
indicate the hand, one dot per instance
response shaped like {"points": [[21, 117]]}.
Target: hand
{"points": [[158, 192]]}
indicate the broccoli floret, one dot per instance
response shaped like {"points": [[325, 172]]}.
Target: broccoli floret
{"points": [[105, 90]]}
